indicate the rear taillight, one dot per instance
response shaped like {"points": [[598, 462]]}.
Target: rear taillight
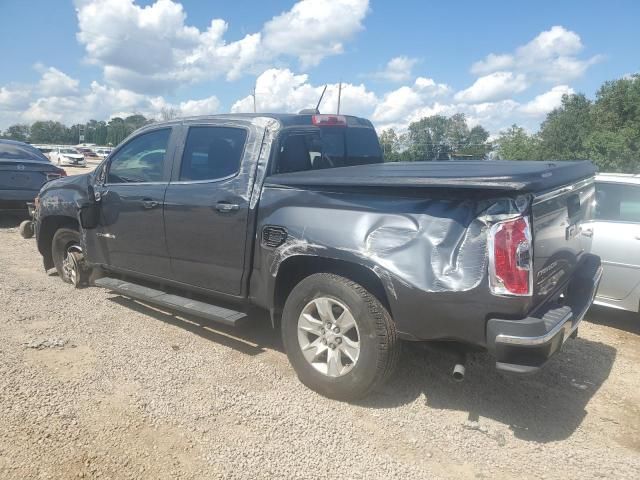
{"points": [[55, 175], [511, 258], [329, 120]]}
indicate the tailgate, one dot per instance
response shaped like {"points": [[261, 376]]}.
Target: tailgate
{"points": [[558, 244], [23, 175]]}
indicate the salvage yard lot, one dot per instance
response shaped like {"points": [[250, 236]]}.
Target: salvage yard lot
{"points": [[93, 384]]}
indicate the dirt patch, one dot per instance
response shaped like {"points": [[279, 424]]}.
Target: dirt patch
{"points": [[111, 388]]}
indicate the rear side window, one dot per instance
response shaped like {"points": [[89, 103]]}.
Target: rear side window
{"points": [[328, 147], [141, 160], [616, 202], [212, 153]]}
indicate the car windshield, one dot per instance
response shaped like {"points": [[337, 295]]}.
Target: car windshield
{"points": [[20, 151], [68, 150]]}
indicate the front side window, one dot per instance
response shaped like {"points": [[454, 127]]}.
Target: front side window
{"points": [[618, 203], [212, 153], [141, 160]]}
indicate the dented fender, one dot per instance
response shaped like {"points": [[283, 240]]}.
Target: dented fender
{"points": [[423, 250]]}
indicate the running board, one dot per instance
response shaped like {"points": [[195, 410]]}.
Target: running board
{"points": [[172, 302]]}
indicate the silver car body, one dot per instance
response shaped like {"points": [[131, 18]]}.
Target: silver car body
{"points": [[615, 237]]}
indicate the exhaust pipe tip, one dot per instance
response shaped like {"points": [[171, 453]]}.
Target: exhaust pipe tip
{"points": [[458, 372]]}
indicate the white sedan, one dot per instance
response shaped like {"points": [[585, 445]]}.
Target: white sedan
{"points": [[67, 156], [103, 152]]}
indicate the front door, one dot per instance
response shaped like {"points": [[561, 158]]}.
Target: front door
{"points": [[616, 238], [130, 235], [206, 209]]}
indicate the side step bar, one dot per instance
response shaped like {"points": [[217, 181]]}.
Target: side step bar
{"points": [[172, 302]]}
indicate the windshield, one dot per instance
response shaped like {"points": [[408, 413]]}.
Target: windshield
{"points": [[20, 151], [69, 151]]}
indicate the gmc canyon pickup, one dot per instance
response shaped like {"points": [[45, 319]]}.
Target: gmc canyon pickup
{"points": [[298, 214]]}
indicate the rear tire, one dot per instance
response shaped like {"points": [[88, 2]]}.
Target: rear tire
{"points": [[68, 257], [343, 364], [26, 229]]}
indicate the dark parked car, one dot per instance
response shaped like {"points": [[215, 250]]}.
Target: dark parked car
{"points": [[299, 216], [23, 171]]}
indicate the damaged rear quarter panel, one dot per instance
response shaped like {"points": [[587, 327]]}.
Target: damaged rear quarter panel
{"points": [[429, 253]]}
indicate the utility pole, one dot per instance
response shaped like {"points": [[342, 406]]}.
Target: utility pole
{"points": [[339, 96], [254, 99]]}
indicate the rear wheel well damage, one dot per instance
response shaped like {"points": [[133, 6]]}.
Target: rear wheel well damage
{"points": [[294, 269], [47, 230]]}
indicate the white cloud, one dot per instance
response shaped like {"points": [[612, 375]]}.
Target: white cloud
{"points": [[205, 106], [314, 29], [14, 98], [152, 47], [545, 102], [396, 105], [495, 86], [280, 90], [56, 83], [551, 56], [99, 101], [398, 69], [56, 96]]}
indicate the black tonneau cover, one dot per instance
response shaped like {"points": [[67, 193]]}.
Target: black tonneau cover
{"points": [[521, 176]]}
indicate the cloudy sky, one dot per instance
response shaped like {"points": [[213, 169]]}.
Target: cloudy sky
{"points": [[499, 62]]}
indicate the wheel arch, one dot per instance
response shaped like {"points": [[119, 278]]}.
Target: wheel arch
{"points": [[47, 229], [297, 267]]}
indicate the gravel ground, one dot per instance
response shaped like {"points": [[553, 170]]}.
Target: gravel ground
{"points": [[93, 385]]}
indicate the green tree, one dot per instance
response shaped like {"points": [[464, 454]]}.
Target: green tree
{"points": [[49, 132], [614, 142], [116, 131], [564, 133], [392, 145], [19, 132], [134, 122], [427, 138], [516, 144], [441, 138], [477, 144]]}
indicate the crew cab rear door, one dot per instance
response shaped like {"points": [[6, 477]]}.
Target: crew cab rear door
{"points": [[615, 233], [207, 205], [131, 189]]}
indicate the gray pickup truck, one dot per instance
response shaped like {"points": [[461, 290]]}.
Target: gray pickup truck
{"points": [[299, 215]]}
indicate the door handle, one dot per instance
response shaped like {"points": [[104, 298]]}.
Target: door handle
{"points": [[148, 203], [227, 207], [588, 232]]}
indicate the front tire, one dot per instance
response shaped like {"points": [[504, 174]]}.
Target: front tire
{"points": [[340, 339], [68, 257]]}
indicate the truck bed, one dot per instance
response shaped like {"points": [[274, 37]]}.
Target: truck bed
{"points": [[518, 176]]}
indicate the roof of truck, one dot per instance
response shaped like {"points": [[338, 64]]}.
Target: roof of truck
{"points": [[285, 119]]}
